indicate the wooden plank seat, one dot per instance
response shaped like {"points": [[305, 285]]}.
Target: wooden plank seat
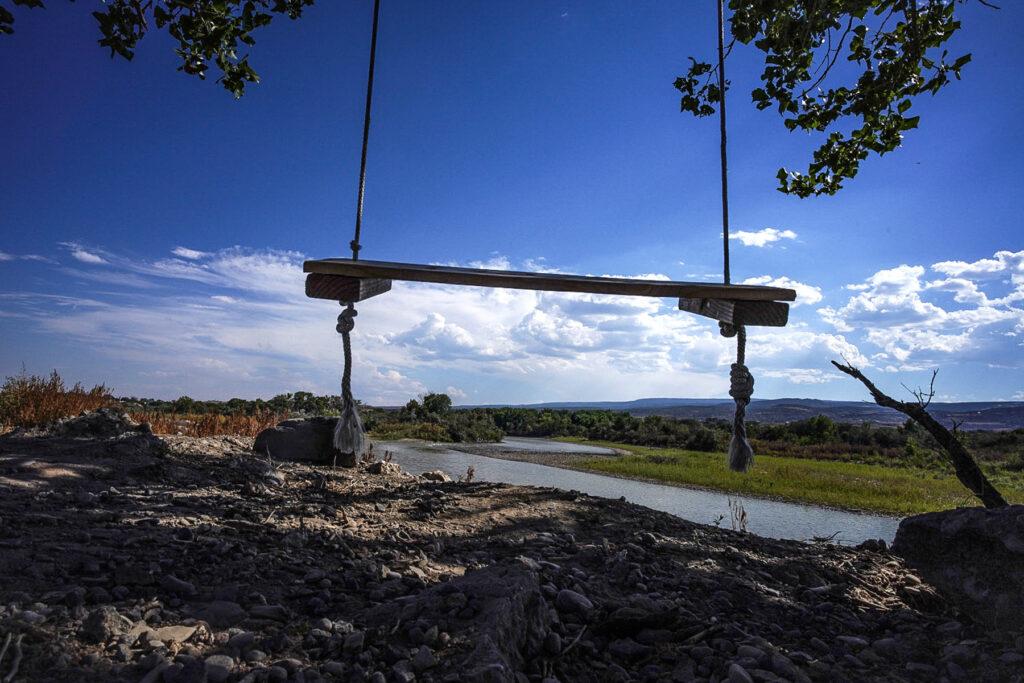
{"points": [[341, 279]]}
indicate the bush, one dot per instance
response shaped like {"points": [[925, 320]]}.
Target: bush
{"points": [[1015, 463], [33, 401]]}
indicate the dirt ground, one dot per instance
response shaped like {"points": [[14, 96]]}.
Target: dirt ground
{"points": [[177, 559]]}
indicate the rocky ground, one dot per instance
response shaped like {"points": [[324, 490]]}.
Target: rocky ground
{"points": [[136, 558]]}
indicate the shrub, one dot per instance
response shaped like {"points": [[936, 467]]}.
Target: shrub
{"points": [[209, 424], [34, 401]]}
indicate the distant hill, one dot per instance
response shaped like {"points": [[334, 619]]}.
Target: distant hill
{"points": [[992, 415]]}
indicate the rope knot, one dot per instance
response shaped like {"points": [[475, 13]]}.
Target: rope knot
{"points": [[346, 322], [741, 383]]}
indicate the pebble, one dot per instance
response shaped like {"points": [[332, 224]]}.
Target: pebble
{"points": [[424, 659], [218, 668], [573, 602], [353, 643], [271, 612], [853, 642], [737, 674]]}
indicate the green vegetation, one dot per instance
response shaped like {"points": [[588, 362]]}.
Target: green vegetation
{"points": [[895, 490], [893, 469]]}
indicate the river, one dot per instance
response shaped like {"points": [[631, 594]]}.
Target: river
{"points": [[765, 517]]}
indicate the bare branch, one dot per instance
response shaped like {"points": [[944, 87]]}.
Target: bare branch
{"points": [[967, 470]]}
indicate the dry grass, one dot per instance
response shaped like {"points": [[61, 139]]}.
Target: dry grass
{"points": [[34, 401], [193, 424]]}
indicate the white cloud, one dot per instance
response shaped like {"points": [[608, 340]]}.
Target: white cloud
{"points": [[800, 375], [4, 256], [1001, 262], [917, 323], [235, 322], [763, 237], [190, 254], [80, 253], [805, 294], [455, 393]]}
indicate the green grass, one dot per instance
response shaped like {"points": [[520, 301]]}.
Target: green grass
{"points": [[886, 489]]}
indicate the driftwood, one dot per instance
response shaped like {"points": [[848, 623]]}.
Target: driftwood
{"points": [[967, 470]]}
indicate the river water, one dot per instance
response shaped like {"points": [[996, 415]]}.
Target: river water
{"points": [[771, 518]]}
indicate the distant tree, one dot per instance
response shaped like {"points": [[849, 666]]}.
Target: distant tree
{"points": [[437, 404], [892, 52], [184, 404]]}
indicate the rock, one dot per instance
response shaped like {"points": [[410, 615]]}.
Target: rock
{"points": [[271, 612], [737, 674], [436, 475], [218, 668], [102, 624], [222, 613], [571, 601], [105, 423], [174, 634], [277, 674], [553, 644], [384, 468], [627, 648], [353, 643], [853, 642], [424, 659], [509, 618], [750, 651], [174, 585], [974, 556], [307, 440], [241, 642]]}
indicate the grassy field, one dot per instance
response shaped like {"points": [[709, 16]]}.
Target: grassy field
{"points": [[876, 488]]}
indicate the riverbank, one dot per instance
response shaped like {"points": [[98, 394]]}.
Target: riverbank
{"points": [[842, 485], [136, 557]]}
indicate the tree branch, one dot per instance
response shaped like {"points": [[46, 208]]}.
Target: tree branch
{"points": [[967, 470]]}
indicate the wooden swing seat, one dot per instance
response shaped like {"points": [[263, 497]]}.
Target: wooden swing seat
{"points": [[341, 279]]}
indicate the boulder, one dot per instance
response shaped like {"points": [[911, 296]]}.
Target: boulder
{"points": [[974, 556], [105, 423], [308, 440]]}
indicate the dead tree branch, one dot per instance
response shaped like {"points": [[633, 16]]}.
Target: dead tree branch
{"points": [[967, 470]]}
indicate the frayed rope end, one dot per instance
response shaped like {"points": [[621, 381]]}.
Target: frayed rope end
{"points": [[741, 455], [348, 433]]}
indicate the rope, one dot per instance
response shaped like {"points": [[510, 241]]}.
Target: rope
{"points": [[356, 246], [348, 433], [741, 455], [722, 138], [347, 323]]}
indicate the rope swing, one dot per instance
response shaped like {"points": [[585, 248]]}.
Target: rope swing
{"points": [[734, 306], [348, 433], [741, 382]]}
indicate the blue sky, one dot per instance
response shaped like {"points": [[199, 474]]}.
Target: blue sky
{"points": [[152, 228]]}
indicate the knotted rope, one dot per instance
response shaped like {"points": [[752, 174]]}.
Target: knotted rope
{"points": [[741, 455], [348, 433], [741, 388]]}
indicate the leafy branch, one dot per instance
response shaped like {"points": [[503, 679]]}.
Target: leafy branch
{"points": [[886, 66], [208, 32]]}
